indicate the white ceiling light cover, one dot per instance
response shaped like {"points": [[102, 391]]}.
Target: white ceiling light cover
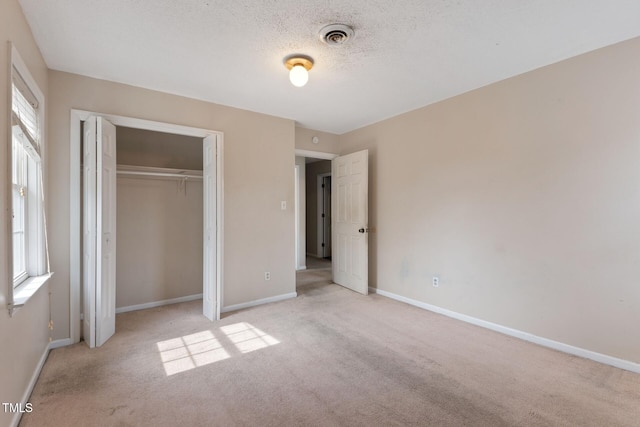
{"points": [[299, 76]]}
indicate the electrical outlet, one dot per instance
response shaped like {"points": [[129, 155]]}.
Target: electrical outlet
{"points": [[435, 281], [267, 275]]}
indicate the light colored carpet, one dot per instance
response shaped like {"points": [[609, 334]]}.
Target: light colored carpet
{"points": [[310, 277], [329, 357], [314, 263]]}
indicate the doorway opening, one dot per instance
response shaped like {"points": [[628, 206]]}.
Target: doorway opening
{"points": [[211, 146], [313, 217], [350, 218]]}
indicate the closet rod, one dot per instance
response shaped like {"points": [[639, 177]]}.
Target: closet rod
{"points": [[168, 175]]}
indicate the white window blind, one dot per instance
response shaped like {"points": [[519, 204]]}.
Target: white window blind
{"points": [[24, 108]]}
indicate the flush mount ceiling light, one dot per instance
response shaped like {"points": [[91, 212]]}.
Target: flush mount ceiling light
{"points": [[298, 66]]}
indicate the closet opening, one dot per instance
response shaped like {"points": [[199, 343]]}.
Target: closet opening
{"points": [[126, 180], [159, 254]]}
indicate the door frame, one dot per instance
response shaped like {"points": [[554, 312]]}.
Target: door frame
{"points": [[75, 205], [300, 264], [319, 208]]}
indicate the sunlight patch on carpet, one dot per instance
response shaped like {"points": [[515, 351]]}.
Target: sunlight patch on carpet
{"points": [[203, 348], [247, 337], [190, 351]]}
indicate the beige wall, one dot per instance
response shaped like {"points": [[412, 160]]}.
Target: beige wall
{"points": [[524, 197], [327, 142], [140, 147], [258, 165], [25, 336], [313, 170], [159, 240]]}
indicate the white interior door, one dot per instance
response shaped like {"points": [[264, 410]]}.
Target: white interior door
{"points": [[99, 230], [349, 202], [89, 216], [210, 297], [106, 232]]}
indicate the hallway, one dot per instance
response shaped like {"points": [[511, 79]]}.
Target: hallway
{"points": [[318, 271]]}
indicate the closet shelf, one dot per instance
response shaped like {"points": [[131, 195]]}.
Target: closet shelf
{"points": [[144, 171]]}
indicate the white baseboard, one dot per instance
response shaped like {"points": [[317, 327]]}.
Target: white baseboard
{"points": [[34, 378], [258, 302], [60, 343], [158, 303], [545, 342], [302, 267]]}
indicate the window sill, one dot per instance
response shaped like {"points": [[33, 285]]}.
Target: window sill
{"points": [[26, 290]]}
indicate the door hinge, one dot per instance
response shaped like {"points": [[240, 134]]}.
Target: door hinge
{"points": [[323, 245], [323, 215]]}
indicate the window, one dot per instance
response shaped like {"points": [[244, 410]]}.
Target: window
{"points": [[29, 261], [19, 209]]}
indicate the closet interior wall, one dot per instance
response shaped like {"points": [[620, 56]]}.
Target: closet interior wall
{"points": [[159, 218]]}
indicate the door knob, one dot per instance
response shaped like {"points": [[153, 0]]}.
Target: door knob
{"points": [[363, 230]]}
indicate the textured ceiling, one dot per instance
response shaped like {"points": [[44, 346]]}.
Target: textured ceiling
{"points": [[405, 54]]}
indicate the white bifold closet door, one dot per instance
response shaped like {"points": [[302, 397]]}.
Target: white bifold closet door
{"points": [[210, 291], [99, 230]]}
